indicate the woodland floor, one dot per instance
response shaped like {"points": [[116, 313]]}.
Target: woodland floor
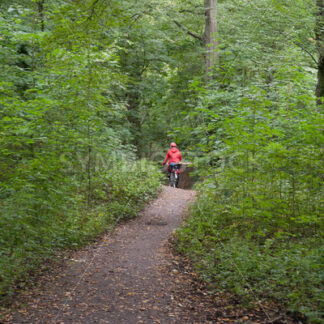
{"points": [[132, 276]]}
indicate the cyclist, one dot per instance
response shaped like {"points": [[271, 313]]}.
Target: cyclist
{"points": [[173, 157]]}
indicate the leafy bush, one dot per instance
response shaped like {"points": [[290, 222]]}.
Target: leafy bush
{"points": [[67, 165], [289, 270], [257, 228], [255, 135]]}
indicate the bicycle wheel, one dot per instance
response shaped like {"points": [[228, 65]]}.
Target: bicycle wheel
{"points": [[176, 180], [172, 180]]}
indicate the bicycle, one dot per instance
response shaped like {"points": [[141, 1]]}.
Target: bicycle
{"points": [[174, 169]]}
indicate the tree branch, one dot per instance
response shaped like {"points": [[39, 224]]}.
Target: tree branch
{"points": [[194, 12], [188, 31], [308, 52]]}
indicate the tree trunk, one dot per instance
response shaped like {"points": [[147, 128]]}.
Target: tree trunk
{"points": [[40, 4], [211, 42], [133, 101], [320, 47]]}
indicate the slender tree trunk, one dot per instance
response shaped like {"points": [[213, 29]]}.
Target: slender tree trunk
{"points": [[89, 134], [40, 4], [133, 101], [320, 47], [211, 42]]}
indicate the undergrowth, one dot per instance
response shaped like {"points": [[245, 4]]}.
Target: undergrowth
{"points": [[255, 265]]}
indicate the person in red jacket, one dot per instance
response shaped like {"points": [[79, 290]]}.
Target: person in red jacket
{"points": [[173, 157]]}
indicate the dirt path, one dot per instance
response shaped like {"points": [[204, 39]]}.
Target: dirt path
{"points": [[121, 278], [133, 276]]}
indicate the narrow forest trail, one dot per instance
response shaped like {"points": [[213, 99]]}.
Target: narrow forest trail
{"points": [[126, 277]]}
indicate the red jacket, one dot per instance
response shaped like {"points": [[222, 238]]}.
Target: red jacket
{"points": [[173, 155]]}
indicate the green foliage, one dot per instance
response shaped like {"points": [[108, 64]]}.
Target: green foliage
{"points": [[67, 170], [255, 137], [86, 87], [289, 271], [282, 267]]}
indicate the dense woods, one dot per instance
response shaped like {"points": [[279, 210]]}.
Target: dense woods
{"points": [[68, 166], [90, 90]]}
